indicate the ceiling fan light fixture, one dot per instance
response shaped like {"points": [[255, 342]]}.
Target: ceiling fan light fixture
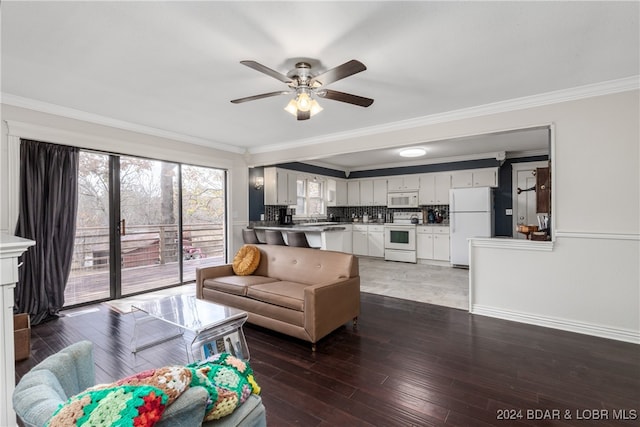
{"points": [[291, 108], [311, 106], [303, 101], [413, 152], [315, 108]]}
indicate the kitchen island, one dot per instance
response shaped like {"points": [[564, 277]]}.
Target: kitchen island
{"points": [[328, 236]]}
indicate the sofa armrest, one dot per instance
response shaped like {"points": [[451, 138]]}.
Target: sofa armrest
{"points": [[328, 306], [205, 273]]}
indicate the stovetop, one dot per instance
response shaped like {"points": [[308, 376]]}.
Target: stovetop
{"points": [[404, 218]]}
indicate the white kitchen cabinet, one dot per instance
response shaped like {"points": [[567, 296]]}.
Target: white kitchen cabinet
{"points": [[434, 189], [342, 198], [424, 243], [360, 240], [379, 192], [353, 193], [442, 187], [475, 178], [432, 242], [441, 243], [373, 192], [375, 240], [403, 183], [368, 240], [366, 192], [485, 178], [462, 179], [280, 187]]}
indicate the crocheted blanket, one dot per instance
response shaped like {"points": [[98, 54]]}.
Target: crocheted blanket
{"points": [[141, 399]]}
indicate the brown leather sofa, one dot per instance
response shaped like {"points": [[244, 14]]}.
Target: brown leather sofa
{"points": [[302, 292]]}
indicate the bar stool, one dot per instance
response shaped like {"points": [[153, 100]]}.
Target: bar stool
{"points": [[274, 237], [297, 239], [249, 236]]}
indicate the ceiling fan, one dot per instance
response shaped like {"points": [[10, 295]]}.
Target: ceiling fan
{"points": [[306, 86]]}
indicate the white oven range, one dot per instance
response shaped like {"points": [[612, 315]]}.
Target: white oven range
{"points": [[400, 237]]}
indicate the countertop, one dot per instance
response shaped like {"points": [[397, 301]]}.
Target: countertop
{"points": [[315, 228]]}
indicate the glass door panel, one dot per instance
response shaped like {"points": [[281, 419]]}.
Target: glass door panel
{"points": [[149, 234], [203, 218], [89, 277]]}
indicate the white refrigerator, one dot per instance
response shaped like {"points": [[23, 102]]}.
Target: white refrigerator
{"points": [[470, 215]]}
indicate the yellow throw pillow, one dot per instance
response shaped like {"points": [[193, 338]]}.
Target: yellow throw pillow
{"points": [[246, 260]]}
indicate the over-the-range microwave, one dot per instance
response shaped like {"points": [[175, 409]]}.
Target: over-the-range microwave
{"points": [[402, 200]]}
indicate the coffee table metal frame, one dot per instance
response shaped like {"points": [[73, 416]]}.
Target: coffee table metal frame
{"points": [[212, 328]]}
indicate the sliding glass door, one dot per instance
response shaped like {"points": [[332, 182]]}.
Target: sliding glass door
{"points": [[90, 268], [150, 251], [203, 218], [143, 224]]}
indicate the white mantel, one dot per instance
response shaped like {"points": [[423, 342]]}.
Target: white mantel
{"points": [[11, 247]]}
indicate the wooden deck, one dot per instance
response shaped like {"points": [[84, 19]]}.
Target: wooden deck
{"points": [[94, 285]]}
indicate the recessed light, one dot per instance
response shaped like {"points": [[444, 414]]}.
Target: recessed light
{"points": [[413, 152]]}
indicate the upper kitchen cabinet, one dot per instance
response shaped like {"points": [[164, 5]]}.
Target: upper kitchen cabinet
{"points": [[373, 192], [336, 192], [342, 193], [353, 193], [379, 192], [434, 189], [475, 178], [403, 183], [280, 187]]}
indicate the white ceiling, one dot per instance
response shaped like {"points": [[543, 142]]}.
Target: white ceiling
{"points": [[174, 66]]}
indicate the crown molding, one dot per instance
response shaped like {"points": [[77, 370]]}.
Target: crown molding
{"points": [[70, 113], [547, 98]]}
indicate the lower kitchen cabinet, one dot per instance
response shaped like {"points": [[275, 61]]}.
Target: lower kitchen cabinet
{"points": [[375, 240], [368, 240], [360, 240], [432, 242]]}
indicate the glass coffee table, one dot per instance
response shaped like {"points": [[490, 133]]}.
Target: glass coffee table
{"points": [[207, 328]]}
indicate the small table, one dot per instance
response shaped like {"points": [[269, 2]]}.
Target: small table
{"points": [[215, 328]]}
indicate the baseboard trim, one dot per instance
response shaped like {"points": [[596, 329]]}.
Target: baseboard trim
{"points": [[586, 328]]}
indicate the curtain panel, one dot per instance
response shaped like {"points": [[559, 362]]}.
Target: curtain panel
{"points": [[47, 214]]}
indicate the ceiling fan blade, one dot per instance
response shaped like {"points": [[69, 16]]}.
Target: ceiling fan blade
{"points": [[304, 115], [340, 72], [345, 97], [263, 95], [266, 70]]}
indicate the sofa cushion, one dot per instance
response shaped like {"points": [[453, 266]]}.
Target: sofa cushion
{"points": [[305, 265], [236, 285], [246, 260], [282, 293]]}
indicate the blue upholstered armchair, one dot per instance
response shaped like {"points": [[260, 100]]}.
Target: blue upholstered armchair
{"points": [[70, 371]]}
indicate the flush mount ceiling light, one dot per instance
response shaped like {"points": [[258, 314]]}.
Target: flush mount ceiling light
{"points": [[413, 152], [307, 85]]}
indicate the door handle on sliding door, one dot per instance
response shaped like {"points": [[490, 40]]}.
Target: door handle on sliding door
{"points": [[122, 228]]}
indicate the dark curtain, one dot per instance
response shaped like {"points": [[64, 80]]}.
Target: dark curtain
{"points": [[47, 214]]}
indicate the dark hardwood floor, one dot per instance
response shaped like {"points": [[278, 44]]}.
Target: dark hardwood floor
{"points": [[407, 364]]}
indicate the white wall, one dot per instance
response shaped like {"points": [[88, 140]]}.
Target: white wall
{"points": [[51, 128], [590, 281]]}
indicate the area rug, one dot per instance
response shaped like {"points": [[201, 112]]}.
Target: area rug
{"points": [[123, 305]]}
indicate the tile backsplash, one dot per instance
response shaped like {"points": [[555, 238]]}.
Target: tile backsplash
{"points": [[345, 213]]}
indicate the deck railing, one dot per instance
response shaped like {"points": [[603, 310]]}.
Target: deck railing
{"points": [[149, 255]]}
